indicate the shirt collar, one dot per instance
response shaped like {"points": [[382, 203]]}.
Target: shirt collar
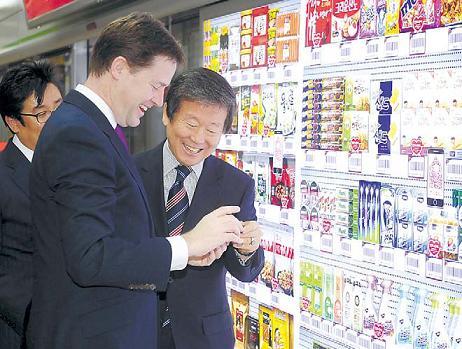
{"points": [[29, 154], [99, 102], [170, 162]]}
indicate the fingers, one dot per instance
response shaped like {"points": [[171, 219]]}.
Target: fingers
{"points": [[226, 210]]}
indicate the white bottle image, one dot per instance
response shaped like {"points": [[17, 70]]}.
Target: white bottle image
{"points": [[421, 322], [404, 328], [439, 332], [370, 312]]}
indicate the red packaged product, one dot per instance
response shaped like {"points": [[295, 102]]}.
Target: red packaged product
{"points": [[418, 15], [260, 22], [318, 22], [345, 19]]}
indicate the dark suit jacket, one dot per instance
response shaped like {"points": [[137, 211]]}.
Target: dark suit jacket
{"points": [[197, 297], [97, 259], [15, 246]]}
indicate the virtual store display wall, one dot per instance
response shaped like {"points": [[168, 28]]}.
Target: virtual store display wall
{"points": [[350, 122]]}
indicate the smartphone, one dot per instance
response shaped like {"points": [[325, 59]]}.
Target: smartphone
{"points": [[435, 177]]}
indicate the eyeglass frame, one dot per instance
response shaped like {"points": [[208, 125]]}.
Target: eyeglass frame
{"points": [[36, 116]]}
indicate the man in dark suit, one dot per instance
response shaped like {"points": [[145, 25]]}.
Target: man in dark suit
{"points": [[199, 107], [98, 262], [28, 95]]}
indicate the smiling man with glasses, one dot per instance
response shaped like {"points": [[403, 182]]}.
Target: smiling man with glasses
{"points": [[28, 95]]}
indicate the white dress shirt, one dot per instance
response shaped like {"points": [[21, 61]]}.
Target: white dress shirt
{"points": [[178, 243], [29, 154]]}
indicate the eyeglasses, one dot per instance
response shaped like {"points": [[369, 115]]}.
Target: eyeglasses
{"points": [[41, 117]]}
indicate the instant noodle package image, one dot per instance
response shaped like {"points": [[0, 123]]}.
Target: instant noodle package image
{"points": [[265, 319]]}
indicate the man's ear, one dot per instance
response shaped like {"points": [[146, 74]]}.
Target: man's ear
{"points": [[165, 119], [119, 67], [14, 124]]}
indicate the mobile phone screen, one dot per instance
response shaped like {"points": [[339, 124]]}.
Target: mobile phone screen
{"points": [[435, 177]]}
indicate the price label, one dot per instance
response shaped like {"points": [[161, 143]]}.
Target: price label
{"points": [[378, 344], [454, 170], [326, 327], [271, 74], [309, 158], [372, 49], [416, 167], [355, 162], [306, 321], [326, 243], [387, 257], [339, 331], [315, 56], [288, 73], [417, 43], [244, 142], [308, 238], [351, 336], [275, 299], [345, 52], [234, 283], [434, 269], [252, 290], [364, 341], [254, 143], [244, 76], [234, 78], [278, 150], [383, 164], [453, 272], [392, 46], [345, 247], [331, 161], [316, 322], [228, 141], [262, 210], [370, 253], [455, 39], [256, 75]]}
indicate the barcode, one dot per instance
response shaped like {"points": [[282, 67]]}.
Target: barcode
{"points": [[275, 299], [252, 290], [435, 267], [455, 38], [378, 345], [455, 272], [387, 256], [345, 51], [315, 55], [315, 322], [384, 163], [391, 46], [288, 73], [455, 168], [265, 144], [270, 75], [356, 162], [417, 43], [351, 337], [262, 211], [326, 241], [309, 157], [228, 141], [368, 252], [338, 332], [285, 215], [372, 48], [241, 285], [363, 342], [254, 144], [331, 159], [256, 76], [308, 238], [326, 327], [346, 246], [417, 165], [413, 262], [243, 142]]}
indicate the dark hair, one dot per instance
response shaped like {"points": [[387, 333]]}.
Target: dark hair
{"points": [[138, 37], [201, 85], [22, 81]]}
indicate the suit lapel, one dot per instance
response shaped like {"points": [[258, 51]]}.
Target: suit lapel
{"points": [[155, 186], [207, 196], [19, 165], [82, 102]]}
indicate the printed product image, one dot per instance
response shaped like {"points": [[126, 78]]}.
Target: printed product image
{"points": [[240, 305], [265, 319], [345, 20], [318, 22]]}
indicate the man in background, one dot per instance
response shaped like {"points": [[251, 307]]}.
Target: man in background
{"points": [[184, 183], [98, 262], [28, 95]]}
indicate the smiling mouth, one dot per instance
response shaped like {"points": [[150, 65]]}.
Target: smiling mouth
{"points": [[192, 149]]}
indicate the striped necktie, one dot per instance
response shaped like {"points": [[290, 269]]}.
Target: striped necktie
{"points": [[178, 202]]}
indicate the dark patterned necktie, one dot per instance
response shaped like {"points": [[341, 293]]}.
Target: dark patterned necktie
{"points": [[177, 203], [120, 133]]}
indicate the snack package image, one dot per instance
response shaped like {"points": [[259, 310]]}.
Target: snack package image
{"points": [[252, 338], [283, 281], [318, 23], [240, 310], [281, 330], [417, 16], [265, 319], [345, 20]]}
